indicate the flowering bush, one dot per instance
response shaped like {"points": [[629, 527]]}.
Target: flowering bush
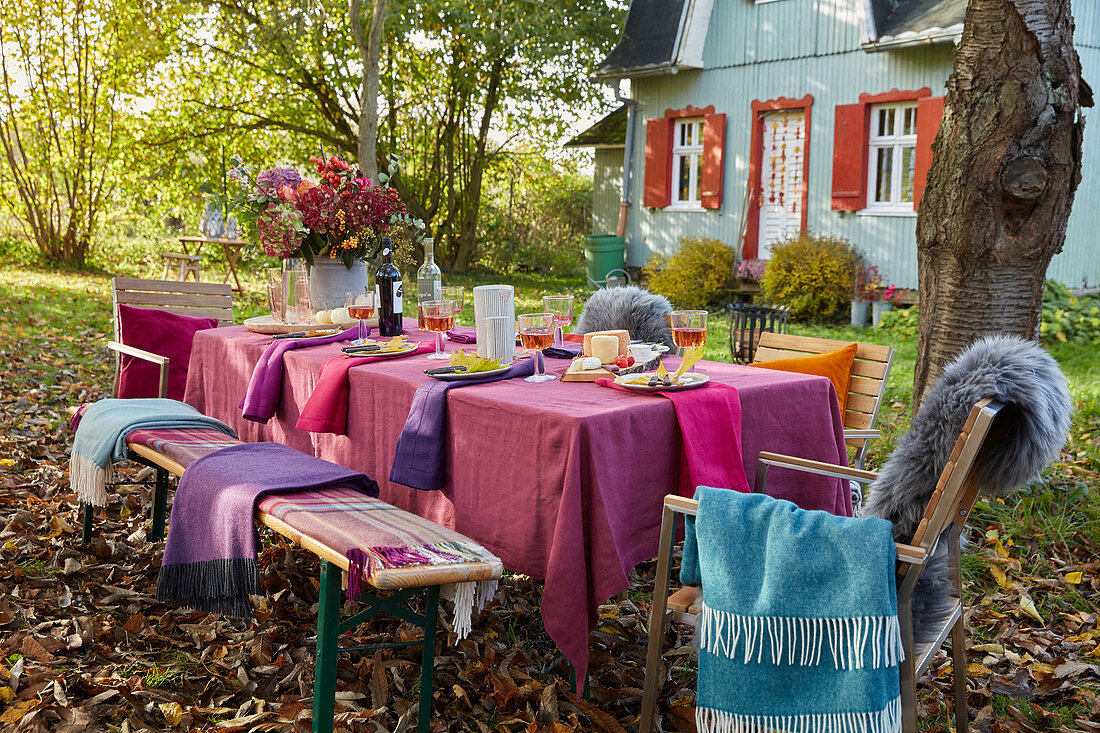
{"points": [[341, 217], [867, 284], [892, 294], [751, 270]]}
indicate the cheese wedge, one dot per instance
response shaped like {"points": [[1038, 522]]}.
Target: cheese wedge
{"points": [[623, 336]]}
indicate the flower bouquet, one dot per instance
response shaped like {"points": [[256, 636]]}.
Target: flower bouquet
{"points": [[867, 285], [342, 216]]}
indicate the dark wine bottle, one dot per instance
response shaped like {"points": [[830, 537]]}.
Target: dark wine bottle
{"points": [[388, 282]]}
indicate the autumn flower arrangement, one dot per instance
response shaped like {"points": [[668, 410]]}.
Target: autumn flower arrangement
{"points": [[341, 216], [868, 284]]}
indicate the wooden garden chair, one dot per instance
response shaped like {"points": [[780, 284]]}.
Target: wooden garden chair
{"points": [[202, 300], [944, 516], [870, 370]]}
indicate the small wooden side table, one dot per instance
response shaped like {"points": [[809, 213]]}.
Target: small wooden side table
{"points": [[231, 251], [184, 264]]}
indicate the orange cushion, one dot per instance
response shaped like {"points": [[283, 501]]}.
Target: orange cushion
{"points": [[836, 365]]}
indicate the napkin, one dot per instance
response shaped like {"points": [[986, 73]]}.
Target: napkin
{"points": [[326, 410], [463, 335], [420, 458], [266, 385], [710, 426], [565, 351]]}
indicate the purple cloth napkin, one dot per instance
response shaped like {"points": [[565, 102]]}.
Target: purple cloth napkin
{"points": [[210, 560], [420, 457], [566, 351], [463, 335], [266, 385]]}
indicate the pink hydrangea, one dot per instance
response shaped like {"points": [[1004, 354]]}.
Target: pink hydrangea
{"points": [[280, 230]]}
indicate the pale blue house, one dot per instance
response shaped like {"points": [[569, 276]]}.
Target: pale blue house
{"points": [[747, 121]]}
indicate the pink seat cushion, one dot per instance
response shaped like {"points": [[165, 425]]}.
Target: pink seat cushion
{"points": [[160, 332]]}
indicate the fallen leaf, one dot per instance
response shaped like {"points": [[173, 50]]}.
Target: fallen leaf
{"points": [[1074, 577], [1028, 606], [173, 712]]}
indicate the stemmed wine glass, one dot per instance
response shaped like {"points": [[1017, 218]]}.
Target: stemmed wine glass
{"points": [[439, 317], [453, 293], [360, 304], [536, 332], [561, 306], [689, 328]]}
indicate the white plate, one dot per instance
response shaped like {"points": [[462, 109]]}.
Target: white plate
{"points": [[688, 380], [458, 377], [385, 354], [267, 324]]}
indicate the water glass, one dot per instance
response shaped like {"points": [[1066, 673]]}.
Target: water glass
{"points": [[360, 304], [536, 332], [562, 308], [689, 328], [298, 310], [439, 317]]}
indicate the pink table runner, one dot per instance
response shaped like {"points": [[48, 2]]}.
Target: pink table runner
{"points": [[563, 480]]}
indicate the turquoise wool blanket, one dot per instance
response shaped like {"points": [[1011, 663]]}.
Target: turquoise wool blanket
{"points": [[100, 438], [798, 626]]}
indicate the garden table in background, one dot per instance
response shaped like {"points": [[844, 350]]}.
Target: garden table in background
{"points": [[231, 250], [563, 480]]}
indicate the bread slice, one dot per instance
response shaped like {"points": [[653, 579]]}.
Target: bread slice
{"points": [[623, 336]]}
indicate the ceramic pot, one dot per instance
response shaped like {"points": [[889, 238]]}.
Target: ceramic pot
{"points": [[860, 310], [330, 281]]}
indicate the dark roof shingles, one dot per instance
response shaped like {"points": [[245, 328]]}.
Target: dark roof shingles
{"points": [[649, 36]]}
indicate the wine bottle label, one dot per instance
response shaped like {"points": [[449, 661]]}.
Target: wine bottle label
{"points": [[397, 298]]}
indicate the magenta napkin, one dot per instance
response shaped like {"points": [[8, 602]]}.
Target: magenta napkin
{"points": [[266, 385], [463, 335]]}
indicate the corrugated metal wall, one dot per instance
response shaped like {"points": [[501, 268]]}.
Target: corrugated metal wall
{"points": [[607, 190], [798, 47]]}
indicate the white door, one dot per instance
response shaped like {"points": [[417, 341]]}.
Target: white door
{"points": [[781, 183]]}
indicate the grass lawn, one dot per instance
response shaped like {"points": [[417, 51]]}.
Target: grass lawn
{"points": [[1032, 570]]}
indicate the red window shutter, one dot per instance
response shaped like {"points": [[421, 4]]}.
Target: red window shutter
{"points": [[929, 115], [712, 162], [849, 153], [658, 163]]}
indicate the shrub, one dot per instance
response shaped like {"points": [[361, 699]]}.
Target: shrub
{"points": [[901, 322], [1069, 317], [694, 276], [813, 274]]}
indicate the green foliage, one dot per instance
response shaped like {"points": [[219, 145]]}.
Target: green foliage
{"points": [[813, 274], [694, 276], [900, 322], [1068, 317]]}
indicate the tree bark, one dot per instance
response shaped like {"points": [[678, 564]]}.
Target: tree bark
{"points": [[1005, 166], [370, 51]]}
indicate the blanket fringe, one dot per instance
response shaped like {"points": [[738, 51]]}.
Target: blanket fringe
{"points": [[216, 586], [887, 720], [89, 480], [848, 643]]}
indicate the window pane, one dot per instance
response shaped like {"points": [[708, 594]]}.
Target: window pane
{"points": [[882, 128], [684, 178], [885, 174], [908, 165], [698, 178], [909, 125], [699, 133], [680, 127]]}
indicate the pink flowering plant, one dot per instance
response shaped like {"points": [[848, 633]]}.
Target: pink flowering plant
{"points": [[342, 216], [892, 294], [751, 270]]}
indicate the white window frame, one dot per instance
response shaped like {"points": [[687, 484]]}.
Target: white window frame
{"points": [[897, 141], [694, 155]]}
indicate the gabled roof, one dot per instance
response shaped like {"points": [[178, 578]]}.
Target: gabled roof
{"points": [[659, 37], [610, 132], [911, 22]]}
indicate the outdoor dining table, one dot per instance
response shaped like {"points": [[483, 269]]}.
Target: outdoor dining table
{"points": [[562, 480]]}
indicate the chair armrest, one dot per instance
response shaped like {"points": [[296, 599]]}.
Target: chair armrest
{"points": [[161, 361], [867, 434], [681, 504], [820, 468], [911, 555]]}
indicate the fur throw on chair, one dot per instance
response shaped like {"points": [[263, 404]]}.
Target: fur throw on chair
{"points": [[1008, 369], [640, 312]]}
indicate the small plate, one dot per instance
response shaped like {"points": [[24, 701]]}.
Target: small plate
{"points": [[460, 376], [688, 380], [385, 354]]}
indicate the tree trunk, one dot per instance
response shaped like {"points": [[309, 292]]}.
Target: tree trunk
{"points": [[1005, 165], [370, 50]]}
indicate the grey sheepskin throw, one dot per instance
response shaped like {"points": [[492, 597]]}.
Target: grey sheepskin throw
{"points": [[1031, 431], [640, 312]]}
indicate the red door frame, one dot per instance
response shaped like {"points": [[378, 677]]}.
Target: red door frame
{"points": [[749, 246]]}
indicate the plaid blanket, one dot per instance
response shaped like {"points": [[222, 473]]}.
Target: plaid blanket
{"points": [[184, 445], [375, 536]]}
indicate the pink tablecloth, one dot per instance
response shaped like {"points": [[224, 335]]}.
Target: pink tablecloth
{"points": [[562, 480]]}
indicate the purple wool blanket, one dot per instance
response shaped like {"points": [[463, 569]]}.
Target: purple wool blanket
{"points": [[210, 559], [266, 385], [420, 457]]}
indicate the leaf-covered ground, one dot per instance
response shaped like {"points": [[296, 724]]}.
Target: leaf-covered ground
{"points": [[84, 646]]}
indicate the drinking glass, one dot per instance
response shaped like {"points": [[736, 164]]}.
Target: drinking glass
{"points": [[561, 306], [536, 332], [276, 294], [360, 304], [689, 328], [298, 309], [455, 294], [439, 317]]}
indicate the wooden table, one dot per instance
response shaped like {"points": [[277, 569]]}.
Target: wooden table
{"points": [[231, 248]]}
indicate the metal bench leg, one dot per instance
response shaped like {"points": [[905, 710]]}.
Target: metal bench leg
{"points": [[328, 636], [86, 523], [586, 692], [160, 504], [427, 659]]}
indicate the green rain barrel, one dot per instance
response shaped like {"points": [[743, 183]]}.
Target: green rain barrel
{"points": [[602, 254]]}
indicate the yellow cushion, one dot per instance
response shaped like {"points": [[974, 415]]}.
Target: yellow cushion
{"points": [[836, 365]]}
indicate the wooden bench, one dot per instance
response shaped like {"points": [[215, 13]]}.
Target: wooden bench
{"points": [[183, 264], [403, 583]]}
